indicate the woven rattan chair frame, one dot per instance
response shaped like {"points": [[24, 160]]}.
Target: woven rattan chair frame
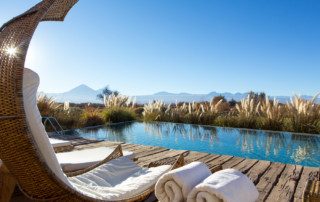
{"points": [[18, 151]]}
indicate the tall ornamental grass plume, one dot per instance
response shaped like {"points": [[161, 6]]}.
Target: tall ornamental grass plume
{"points": [[303, 114], [214, 106], [46, 105], [118, 101], [66, 105], [272, 114], [195, 113], [119, 108], [247, 112], [223, 106], [155, 111], [247, 107]]}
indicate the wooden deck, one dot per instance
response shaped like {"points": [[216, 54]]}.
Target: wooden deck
{"points": [[274, 181]]}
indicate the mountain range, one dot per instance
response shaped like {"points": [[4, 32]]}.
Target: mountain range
{"points": [[84, 94]]}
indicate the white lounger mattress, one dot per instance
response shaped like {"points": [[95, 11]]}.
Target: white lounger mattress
{"points": [[77, 160], [59, 143]]}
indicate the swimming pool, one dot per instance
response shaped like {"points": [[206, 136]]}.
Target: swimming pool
{"points": [[282, 147]]}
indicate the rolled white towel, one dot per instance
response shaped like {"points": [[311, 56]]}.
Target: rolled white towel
{"points": [[175, 185], [227, 185]]}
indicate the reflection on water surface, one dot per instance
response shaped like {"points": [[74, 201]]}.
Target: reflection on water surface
{"points": [[254, 144]]}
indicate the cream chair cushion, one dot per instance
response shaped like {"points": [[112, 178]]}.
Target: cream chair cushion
{"points": [[30, 86], [118, 179], [77, 160]]}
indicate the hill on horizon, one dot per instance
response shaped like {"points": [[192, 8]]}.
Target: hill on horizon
{"points": [[84, 94]]}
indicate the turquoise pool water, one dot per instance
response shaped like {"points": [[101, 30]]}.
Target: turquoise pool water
{"points": [[290, 148]]}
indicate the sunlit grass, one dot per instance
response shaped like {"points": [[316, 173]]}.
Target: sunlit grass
{"points": [[298, 115]]}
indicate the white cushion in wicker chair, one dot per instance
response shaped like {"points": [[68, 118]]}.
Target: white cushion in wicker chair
{"points": [[30, 86], [118, 179]]}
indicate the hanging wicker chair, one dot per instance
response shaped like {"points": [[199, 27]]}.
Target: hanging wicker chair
{"points": [[21, 158]]}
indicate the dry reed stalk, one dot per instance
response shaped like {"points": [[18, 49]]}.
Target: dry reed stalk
{"points": [[247, 107], [301, 110], [117, 101], [271, 111]]}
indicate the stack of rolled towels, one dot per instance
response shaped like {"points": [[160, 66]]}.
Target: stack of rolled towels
{"points": [[195, 183]]}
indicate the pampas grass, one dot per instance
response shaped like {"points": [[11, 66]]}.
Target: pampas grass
{"points": [[119, 108], [46, 105], [118, 101], [195, 113], [272, 114], [303, 114], [298, 115]]}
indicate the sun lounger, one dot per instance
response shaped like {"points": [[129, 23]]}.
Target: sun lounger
{"points": [[78, 160], [60, 145]]}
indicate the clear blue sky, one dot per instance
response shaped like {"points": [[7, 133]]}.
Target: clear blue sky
{"points": [[197, 46]]}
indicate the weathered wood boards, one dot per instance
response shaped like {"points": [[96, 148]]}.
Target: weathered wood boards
{"points": [[274, 181], [308, 173], [287, 182]]}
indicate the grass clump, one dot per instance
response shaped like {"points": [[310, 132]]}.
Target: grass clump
{"points": [[114, 115], [46, 105], [256, 111], [303, 115], [92, 116], [118, 108], [71, 118]]}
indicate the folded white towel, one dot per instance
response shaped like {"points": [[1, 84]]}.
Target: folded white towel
{"points": [[175, 185], [227, 185]]}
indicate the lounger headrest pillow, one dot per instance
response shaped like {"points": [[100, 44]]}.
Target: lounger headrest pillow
{"points": [[30, 86]]}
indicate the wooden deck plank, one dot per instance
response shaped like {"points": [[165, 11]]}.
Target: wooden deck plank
{"points": [[284, 189], [257, 171], [269, 179], [208, 158], [144, 161], [232, 162], [308, 173], [218, 161], [192, 156], [133, 148], [138, 148], [150, 152], [245, 165], [128, 146]]}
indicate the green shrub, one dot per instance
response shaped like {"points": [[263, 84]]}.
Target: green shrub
{"points": [[92, 116], [94, 120], [155, 116], [116, 115], [71, 118]]}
